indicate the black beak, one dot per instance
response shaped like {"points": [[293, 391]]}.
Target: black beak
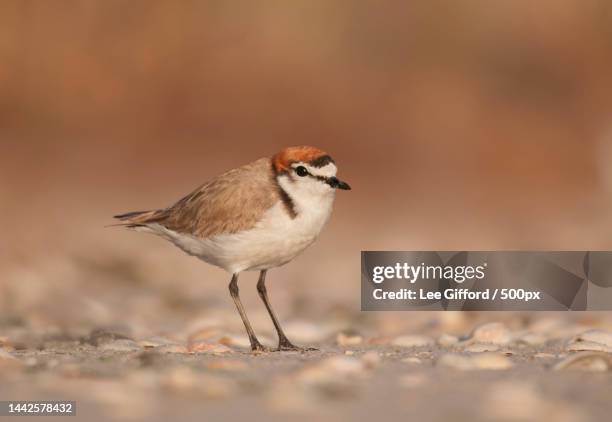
{"points": [[336, 183]]}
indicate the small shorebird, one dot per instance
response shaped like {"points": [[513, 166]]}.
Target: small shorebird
{"points": [[252, 218]]}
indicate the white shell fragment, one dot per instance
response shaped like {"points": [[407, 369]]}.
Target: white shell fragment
{"points": [[586, 361], [592, 340], [597, 336], [580, 346], [493, 332]]}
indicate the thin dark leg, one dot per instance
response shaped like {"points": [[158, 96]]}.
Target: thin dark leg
{"points": [[233, 288], [283, 341]]}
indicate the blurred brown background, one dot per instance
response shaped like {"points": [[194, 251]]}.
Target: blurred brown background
{"points": [[460, 125]]}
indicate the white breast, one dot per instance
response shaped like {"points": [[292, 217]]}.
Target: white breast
{"points": [[274, 241]]}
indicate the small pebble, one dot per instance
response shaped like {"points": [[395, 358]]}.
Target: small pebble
{"points": [[344, 340], [492, 361], [446, 340], [153, 342], [208, 348], [412, 360], [412, 341], [236, 341], [482, 347]]}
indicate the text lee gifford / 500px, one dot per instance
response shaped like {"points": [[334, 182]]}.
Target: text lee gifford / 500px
{"points": [[457, 294]]}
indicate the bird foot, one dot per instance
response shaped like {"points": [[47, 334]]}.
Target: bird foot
{"points": [[287, 346], [257, 347]]}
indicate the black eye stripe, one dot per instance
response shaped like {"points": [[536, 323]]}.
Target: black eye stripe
{"points": [[303, 172], [320, 178]]}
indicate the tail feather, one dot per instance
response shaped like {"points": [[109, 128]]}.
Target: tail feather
{"points": [[130, 215], [136, 219]]}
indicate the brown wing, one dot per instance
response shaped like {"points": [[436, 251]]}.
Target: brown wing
{"points": [[229, 203]]}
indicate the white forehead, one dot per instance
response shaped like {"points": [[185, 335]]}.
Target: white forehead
{"points": [[328, 170]]}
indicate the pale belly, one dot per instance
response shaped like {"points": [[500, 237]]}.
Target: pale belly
{"points": [[273, 242], [256, 251]]}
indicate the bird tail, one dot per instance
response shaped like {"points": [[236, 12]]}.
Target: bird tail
{"points": [[136, 219]]}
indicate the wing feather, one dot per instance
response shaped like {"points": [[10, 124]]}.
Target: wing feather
{"points": [[230, 203]]}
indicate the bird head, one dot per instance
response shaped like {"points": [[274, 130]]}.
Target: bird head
{"points": [[305, 169]]}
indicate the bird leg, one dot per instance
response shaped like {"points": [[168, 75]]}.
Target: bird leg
{"points": [[283, 341], [233, 288]]}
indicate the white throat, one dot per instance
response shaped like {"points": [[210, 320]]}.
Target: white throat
{"points": [[311, 198]]}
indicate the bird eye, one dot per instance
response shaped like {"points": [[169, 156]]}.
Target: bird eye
{"points": [[301, 171]]}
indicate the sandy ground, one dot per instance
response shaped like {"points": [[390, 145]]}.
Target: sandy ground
{"points": [[518, 369], [131, 329]]}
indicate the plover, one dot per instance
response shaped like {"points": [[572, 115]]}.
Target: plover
{"points": [[252, 218]]}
